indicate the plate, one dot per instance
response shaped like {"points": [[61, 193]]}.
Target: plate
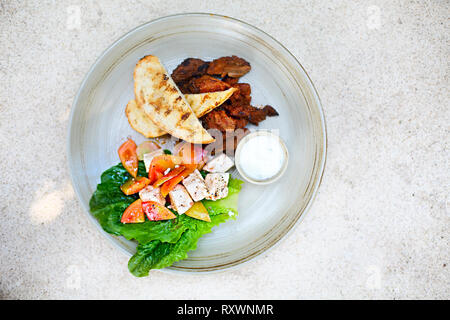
{"points": [[98, 126]]}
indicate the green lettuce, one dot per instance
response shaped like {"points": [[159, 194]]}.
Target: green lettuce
{"points": [[160, 243]]}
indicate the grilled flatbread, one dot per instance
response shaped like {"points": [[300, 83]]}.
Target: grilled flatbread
{"points": [[157, 94], [140, 122], [201, 104]]}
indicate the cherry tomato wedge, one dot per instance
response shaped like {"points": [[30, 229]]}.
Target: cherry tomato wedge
{"points": [[133, 213], [134, 185], [128, 157], [160, 164], [156, 212], [169, 185], [171, 174]]}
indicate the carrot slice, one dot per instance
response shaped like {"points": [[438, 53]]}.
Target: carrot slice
{"points": [[172, 174], [169, 185]]}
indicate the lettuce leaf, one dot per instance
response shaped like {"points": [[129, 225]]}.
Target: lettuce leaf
{"points": [[160, 243]]}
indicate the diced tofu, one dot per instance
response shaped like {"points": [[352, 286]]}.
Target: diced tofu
{"points": [[180, 200], [150, 193], [221, 163], [217, 184], [148, 157], [196, 186]]}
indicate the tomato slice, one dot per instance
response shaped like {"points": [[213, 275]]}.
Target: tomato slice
{"points": [[156, 211], [133, 213], [169, 185], [198, 211], [134, 185], [172, 174], [128, 157], [160, 164]]}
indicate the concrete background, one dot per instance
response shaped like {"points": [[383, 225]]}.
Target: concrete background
{"points": [[379, 227]]}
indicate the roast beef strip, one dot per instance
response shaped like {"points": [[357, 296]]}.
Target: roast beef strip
{"points": [[190, 67], [206, 83], [233, 66]]}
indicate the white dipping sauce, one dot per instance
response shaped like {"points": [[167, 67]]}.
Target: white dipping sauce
{"points": [[262, 157]]}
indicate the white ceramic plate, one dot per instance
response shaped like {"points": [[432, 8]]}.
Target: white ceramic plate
{"points": [[98, 126]]}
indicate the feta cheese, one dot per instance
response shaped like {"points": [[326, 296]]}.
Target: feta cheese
{"points": [[221, 163], [148, 157], [217, 184], [150, 193], [196, 186], [180, 199]]}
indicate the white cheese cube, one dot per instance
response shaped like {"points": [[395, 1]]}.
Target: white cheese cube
{"points": [[148, 157], [196, 186], [180, 199], [150, 193], [221, 163], [217, 184]]}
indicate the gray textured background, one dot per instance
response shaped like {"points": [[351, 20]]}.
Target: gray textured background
{"points": [[379, 227]]}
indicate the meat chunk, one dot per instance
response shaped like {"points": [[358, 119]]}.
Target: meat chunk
{"points": [[218, 119], [231, 81], [150, 193], [241, 123], [196, 186], [206, 83], [180, 199], [243, 94], [220, 163], [270, 111], [217, 184], [246, 113], [238, 106], [233, 66], [190, 67], [255, 115]]}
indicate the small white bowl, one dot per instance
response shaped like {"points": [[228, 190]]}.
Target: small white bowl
{"points": [[239, 152]]}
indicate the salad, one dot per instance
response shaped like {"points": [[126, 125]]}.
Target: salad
{"points": [[164, 200]]}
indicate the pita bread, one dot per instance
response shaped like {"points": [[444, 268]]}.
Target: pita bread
{"points": [[157, 94], [201, 104]]}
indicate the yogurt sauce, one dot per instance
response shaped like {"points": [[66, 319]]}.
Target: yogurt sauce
{"points": [[262, 157]]}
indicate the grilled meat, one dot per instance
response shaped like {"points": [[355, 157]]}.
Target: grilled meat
{"points": [[233, 66], [189, 68], [206, 83]]}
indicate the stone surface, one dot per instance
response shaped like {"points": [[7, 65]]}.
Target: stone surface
{"points": [[379, 227]]}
